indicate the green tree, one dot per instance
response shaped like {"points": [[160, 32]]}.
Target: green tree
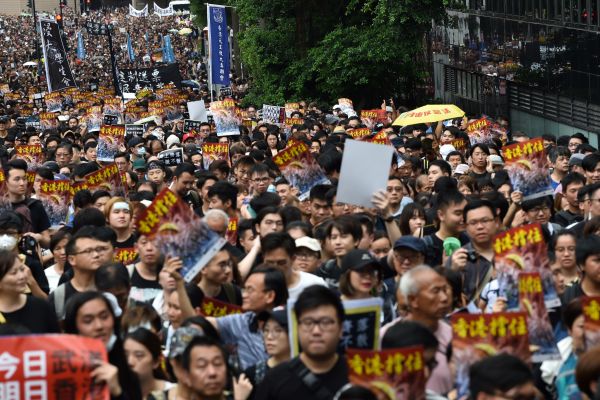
{"points": [[366, 50]]}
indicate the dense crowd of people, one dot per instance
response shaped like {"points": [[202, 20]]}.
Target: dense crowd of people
{"points": [[317, 251]]}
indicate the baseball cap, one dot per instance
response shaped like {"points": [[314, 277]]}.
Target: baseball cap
{"points": [[496, 159], [188, 136], [576, 159], [446, 149], [358, 259], [278, 314], [180, 340], [134, 141], [309, 243], [461, 169], [139, 164], [410, 242]]}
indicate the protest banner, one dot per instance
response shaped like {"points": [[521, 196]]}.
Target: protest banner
{"points": [[110, 120], [591, 320], [56, 62], [51, 367], [290, 108], [226, 121], [362, 321], [53, 101], [392, 374], [225, 92], [373, 117], [476, 336], [171, 157], [132, 114], [138, 13], [379, 138], [299, 168], [273, 114], [527, 168], [163, 12], [460, 144], [94, 118], [172, 111], [289, 122], [522, 249], [347, 107], [355, 186], [359, 133], [47, 121], [541, 335], [110, 141], [214, 151], [479, 131], [126, 255], [191, 126], [56, 198], [218, 42], [212, 307], [32, 154], [107, 178], [132, 130], [135, 80], [232, 231], [178, 232]]}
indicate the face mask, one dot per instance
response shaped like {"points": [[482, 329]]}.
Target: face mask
{"points": [[141, 151], [7, 242]]}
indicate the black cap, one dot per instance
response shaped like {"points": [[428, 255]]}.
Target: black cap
{"points": [[278, 314], [134, 141], [358, 259]]}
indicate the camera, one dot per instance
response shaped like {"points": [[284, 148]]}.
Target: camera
{"points": [[27, 245], [472, 256]]}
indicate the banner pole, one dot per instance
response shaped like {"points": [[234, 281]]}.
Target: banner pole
{"points": [[210, 69]]}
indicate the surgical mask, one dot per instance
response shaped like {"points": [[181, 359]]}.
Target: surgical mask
{"points": [[141, 151], [7, 242]]}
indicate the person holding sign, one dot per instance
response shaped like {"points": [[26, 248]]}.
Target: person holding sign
{"points": [[319, 371], [92, 314]]}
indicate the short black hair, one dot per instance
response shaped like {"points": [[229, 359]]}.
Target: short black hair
{"points": [[319, 192], [407, 334], [259, 169], [590, 161], [17, 163], [203, 177], [570, 178], [586, 247], [184, 167], [483, 147], [498, 373], [346, 224], [528, 205], [316, 296], [580, 136], [273, 280], [102, 234], [201, 341], [278, 240], [89, 216], [571, 312], [558, 151], [478, 203], [112, 275], [447, 198], [265, 200], [442, 165], [224, 191], [264, 212]]}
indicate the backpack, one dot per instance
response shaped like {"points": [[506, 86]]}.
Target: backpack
{"points": [[24, 210]]}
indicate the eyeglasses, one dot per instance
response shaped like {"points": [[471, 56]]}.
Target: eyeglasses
{"points": [[406, 257], [483, 221], [394, 189], [90, 251], [542, 209], [275, 333], [251, 290], [325, 324], [261, 180]]}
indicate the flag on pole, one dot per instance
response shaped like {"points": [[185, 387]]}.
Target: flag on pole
{"points": [[219, 44], [80, 46], [130, 48]]}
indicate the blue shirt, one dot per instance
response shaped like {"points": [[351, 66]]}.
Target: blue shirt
{"points": [[236, 330]]}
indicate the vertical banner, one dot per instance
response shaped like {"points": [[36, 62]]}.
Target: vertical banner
{"points": [[168, 53], [130, 49], [219, 45], [56, 63], [80, 46]]}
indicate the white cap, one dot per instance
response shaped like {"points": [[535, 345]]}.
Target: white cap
{"points": [[308, 242], [171, 140], [446, 149], [461, 169], [496, 160]]}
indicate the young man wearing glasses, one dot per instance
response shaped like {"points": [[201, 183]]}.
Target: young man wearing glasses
{"points": [[319, 371], [87, 250]]}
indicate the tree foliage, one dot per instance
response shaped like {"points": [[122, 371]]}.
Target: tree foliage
{"points": [[367, 50]]}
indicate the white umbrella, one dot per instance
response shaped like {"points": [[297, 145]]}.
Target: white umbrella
{"points": [[30, 64], [173, 30]]}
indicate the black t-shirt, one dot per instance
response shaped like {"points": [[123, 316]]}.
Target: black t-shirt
{"points": [[434, 248], [126, 244], [283, 382], [39, 219], [70, 291], [36, 315], [231, 290], [143, 290], [565, 218], [480, 177]]}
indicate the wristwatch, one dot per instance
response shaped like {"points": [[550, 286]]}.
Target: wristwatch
{"points": [[389, 219]]}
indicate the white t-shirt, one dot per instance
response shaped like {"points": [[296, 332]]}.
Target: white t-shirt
{"points": [[52, 276], [305, 281]]}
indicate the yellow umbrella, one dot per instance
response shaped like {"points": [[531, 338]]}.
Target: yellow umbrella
{"points": [[185, 31], [429, 113]]}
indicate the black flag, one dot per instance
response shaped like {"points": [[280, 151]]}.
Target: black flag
{"points": [[58, 72]]}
